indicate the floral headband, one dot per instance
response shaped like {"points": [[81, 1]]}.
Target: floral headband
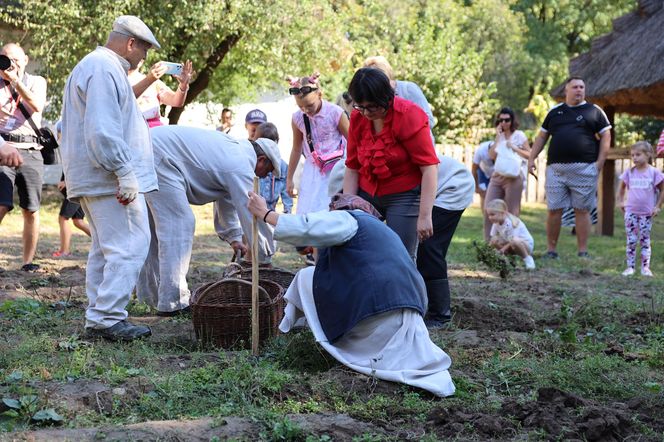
{"points": [[297, 81]]}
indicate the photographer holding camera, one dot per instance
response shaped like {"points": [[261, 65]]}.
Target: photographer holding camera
{"points": [[21, 93]]}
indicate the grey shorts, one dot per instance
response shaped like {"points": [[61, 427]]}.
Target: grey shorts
{"points": [[28, 179], [571, 185]]}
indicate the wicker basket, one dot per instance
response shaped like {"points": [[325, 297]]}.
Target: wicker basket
{"points": [[280, 276], [221, 312]]}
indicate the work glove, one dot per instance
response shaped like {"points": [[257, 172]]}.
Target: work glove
{"points": [[127, 188]]}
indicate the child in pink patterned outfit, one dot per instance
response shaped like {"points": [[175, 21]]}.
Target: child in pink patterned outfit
{"points": [[642, 182]]}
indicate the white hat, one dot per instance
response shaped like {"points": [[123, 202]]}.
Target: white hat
{"points": [[271, 150], [134, 27]]}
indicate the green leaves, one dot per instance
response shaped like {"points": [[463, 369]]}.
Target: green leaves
{"points": [[48, 415], [469, 57], [12, 403], [28, 408]]}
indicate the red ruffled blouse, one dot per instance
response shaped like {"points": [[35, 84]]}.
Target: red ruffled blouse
{"points": [[389, 162]]}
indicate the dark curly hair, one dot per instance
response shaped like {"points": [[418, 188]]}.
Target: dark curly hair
{"points": [[514, 124]]}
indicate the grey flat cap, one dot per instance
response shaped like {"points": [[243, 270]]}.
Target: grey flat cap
{"points": [[272, 152], [134, 27]]}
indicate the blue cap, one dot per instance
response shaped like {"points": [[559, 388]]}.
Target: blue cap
{"points": [[256, 116]]}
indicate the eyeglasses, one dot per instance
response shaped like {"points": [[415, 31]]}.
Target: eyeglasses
{"points": [[503, 120], [371, 108], [304, 90]]}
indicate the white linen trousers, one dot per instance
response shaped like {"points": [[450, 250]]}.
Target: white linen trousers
{"points": [[120, 240]]}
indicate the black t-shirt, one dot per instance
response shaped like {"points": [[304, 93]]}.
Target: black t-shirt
{"points": [[572, 131]]}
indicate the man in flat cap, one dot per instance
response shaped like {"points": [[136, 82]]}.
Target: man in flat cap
{"points": [[198, 166], [108, 166]]}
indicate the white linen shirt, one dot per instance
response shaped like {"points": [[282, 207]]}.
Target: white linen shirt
{"points": [[104, 134], [211, 166], [317, 229], [456, 185]]}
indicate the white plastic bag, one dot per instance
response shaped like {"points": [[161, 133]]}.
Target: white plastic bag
{"points": [[508, 162]]}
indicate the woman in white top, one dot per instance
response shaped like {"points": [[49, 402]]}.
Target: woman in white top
{"points": [[504, 186]]}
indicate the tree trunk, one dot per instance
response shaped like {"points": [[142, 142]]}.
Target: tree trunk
{"points": [[203, 78]]}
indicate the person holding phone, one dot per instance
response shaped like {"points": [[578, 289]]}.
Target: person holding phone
{"points": [[151, 92]]}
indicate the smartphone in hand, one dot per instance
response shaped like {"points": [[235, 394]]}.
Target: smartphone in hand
{"points": [[172, 68]]}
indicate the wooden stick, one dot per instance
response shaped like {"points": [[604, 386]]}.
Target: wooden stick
{"points": [[254, 280]]}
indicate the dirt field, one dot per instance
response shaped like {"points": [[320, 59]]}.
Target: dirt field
{"points": [[572, 351]]}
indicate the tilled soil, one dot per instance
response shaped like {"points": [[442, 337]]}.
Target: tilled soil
{"points": [[488, 314]]}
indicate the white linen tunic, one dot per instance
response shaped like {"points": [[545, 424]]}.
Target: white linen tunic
{"points": [[456, 185], [394, 346], [105, 136], [195, 166]]}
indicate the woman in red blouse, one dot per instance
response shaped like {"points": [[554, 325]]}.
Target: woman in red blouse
{"points": [[391, 160]]}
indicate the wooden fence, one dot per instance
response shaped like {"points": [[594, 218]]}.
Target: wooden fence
{"points": [[534, 191]]}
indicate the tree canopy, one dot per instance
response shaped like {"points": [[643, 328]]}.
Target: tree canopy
{"points": [[468, 56]]}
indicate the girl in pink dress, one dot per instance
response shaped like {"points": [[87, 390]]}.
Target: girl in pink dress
{"points": [[322, 145]]}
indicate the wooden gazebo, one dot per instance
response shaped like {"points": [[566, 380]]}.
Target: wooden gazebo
{"points": [[624, 73]]}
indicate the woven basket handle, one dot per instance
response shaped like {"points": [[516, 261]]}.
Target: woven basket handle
{"points": [[262, 293], [233, 269]]}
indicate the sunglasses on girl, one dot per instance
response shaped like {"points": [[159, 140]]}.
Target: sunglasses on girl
{"points": [[503, 120], [304, 90]]}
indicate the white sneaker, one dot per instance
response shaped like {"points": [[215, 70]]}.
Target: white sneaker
{"points": [[529, 262], [645, 271], [629, 271]]}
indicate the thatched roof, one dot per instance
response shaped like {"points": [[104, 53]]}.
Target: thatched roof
{"points": [[625, 68]]}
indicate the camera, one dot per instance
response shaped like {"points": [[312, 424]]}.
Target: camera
{"points": [[5, 62]]}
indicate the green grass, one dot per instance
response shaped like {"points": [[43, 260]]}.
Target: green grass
{"points": [[596, 334]]}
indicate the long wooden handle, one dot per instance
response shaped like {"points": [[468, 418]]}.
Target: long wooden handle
{"points": [[254, 280]]}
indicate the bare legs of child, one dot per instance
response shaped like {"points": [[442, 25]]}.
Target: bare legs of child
{"points": [[65, 234]]}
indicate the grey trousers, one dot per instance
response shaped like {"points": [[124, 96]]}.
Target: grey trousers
{"points": [[163, 281]]}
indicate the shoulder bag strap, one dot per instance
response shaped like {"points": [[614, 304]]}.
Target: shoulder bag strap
{"points": [[307, 127], [25, 112]]}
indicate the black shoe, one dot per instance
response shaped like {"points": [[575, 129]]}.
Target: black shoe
{"points": [[31, 267], [585, 255], [182, 311], [122, 331], [550, 255], [437, 325]]}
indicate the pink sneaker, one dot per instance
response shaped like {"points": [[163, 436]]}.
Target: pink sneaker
{"points": [[60, 254], [645, 271]]}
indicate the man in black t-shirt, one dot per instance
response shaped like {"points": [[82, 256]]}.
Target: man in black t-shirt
{"points": [[580, 140]]}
